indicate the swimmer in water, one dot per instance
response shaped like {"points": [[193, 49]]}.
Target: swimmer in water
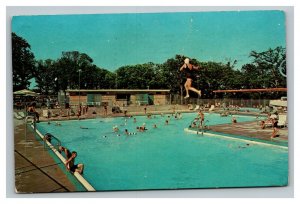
{"points": [[115, 128], [167, 122], [129, 133]]}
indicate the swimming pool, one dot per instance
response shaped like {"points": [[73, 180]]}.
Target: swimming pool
{"points": [[167, 157]]}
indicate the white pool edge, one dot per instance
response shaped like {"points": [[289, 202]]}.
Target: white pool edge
{"points": [[234, 138], [78, 176]]}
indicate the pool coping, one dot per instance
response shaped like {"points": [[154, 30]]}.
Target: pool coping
{"points": [[78, 176], [234, 138]]}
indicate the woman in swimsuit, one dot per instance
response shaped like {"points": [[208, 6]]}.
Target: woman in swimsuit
{"points": [[188, 68]]}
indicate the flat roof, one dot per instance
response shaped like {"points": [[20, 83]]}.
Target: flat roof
{"points": [[119, 90]]}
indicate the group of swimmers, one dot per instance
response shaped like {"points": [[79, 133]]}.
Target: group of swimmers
{"points": [[143, 127]]}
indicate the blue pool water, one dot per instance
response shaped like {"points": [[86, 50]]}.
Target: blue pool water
{"points": [[167, 157]]}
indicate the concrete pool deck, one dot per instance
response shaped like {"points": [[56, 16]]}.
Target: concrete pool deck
{"points": [[36, 171], [251, 130]]}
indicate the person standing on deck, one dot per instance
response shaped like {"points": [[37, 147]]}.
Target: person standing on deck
{"points": [[201, 117]]}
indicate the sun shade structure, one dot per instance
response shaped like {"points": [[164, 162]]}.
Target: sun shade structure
{"points": [[251, 90], [25, 92]]}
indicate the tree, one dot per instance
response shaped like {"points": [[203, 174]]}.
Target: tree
{"points": [[139, 76], [46, 76], [68, 67], [268, 64], [23, 62], [264, 71]]}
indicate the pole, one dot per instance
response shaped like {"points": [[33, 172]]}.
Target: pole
{"points": [[79, 87]]}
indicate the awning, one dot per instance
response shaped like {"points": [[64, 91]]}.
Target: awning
{"points": [[25, 92]]}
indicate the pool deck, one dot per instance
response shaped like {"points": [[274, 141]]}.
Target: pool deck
{"points": [[251, 130], [36, 171]]}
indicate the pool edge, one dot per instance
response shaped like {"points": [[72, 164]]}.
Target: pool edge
{"points": [[78, 176], [234, 138]]}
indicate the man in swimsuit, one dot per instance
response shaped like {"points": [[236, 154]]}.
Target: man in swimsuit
{"points": [[201, 117], [71, 166], [32, 111], [188, 68]]}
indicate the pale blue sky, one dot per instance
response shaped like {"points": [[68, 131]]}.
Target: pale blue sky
{"points": [[115, 40]]}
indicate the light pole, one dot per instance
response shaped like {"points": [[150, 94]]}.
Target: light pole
{"points": [[79, 71]]}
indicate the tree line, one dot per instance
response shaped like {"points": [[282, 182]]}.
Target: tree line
{"points": [[51, 76]]}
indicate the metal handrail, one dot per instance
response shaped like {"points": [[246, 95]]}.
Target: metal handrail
{"points": [[202, 126]]}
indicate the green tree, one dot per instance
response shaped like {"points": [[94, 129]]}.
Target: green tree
{"points": [[268, 64], [46, 77], [23, 62], [68, 67], [264, 72], [140, 76]]}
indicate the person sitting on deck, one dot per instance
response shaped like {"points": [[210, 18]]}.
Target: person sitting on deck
{"points": [[269, 122], [71, 166], [275, 129]]}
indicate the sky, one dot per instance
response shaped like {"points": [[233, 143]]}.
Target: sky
{"points": [[115, 40]]}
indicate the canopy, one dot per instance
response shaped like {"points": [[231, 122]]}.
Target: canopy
{"points": [[25, 92]]}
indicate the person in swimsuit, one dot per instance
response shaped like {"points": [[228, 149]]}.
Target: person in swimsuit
{"points": [[71, 166], [201, 117], [188, 69], [32, 111], [67, 152]]}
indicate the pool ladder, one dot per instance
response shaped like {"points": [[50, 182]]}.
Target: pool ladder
{"points": [[202, 127]]}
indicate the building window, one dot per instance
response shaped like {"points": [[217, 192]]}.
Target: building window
{"points": [[123, 96]]}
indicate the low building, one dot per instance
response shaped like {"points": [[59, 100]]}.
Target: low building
{"points": [[118, 97]]}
